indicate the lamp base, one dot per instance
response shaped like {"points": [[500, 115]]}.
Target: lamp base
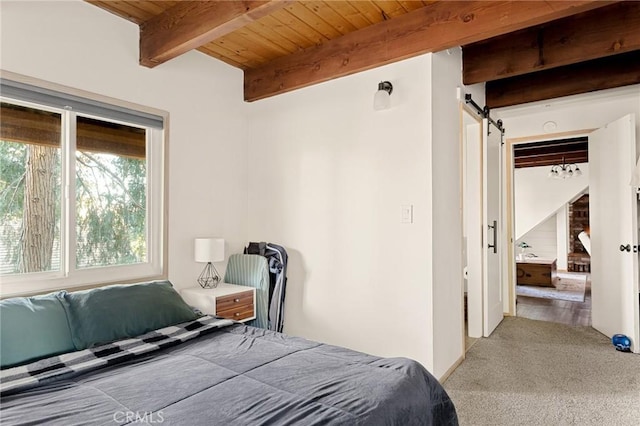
{"points": [[209, 278]]}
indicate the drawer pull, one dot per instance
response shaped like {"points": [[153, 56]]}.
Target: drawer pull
{"points": [[236, 300], [237, 314]]}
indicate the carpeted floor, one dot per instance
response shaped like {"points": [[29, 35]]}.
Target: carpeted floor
{"points": [[540, 373]]}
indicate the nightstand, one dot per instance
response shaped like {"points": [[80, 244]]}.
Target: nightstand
{"points": [[230, 301]]}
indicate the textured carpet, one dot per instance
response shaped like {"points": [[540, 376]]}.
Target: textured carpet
{"points": [[540, 373], [567, 287]]}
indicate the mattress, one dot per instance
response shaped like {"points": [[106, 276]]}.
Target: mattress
{"points": [[234, 375]]}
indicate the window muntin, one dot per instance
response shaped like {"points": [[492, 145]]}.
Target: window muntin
{"points": [[115, 159]]}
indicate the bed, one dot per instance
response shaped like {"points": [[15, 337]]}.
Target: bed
{"points": [[215, 371]]}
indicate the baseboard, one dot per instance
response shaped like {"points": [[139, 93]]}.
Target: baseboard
{"points": [[447, 373]]}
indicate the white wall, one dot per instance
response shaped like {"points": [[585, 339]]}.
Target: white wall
{"points": [[79, 45], [562, 238], [446, 177], [542, 239], [328, 177], [538, 197], [571, 113]]}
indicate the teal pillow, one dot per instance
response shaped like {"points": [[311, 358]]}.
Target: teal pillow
{"points": [[116, 312], [33, 328]]}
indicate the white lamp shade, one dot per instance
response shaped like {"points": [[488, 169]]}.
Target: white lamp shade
{"points": [[381, 100], [209, 249]]}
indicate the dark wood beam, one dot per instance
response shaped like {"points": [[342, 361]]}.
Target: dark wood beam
{"points": [[589, 35], [551, 147], [191, 24], [590, 76], [551, 159], [437, 26], [547, 153]]}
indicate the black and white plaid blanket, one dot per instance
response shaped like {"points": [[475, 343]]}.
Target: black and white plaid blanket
{"points": [[72, 363]]}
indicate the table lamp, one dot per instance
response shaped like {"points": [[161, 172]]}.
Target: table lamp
{"points": [[209, 250]]}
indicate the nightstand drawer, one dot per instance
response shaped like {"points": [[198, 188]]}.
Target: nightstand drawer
{"points": [[237, 306], [237, 313], [232, 301]]}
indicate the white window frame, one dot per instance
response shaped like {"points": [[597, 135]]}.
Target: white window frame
{"points": [[68, 277]]}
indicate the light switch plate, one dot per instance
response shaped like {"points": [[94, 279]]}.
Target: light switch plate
{"points": [[407, 213]]}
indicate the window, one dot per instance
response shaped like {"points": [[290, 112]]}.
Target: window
{"points": [[81, 191]]}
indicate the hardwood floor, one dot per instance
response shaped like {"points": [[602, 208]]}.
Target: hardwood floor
{"points": [[560, 311]]}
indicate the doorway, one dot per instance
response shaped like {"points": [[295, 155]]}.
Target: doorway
{"points": [[545, 208], [550, 213], [609, 119]]}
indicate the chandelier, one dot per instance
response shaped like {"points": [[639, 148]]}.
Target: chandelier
{"points": [[564, 170]]}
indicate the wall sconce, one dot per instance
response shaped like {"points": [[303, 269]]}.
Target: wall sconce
{"points": [[209, 250], [564, 171], [382, 98]]}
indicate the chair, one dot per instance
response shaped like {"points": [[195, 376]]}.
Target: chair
{"points": [[253, 271]]}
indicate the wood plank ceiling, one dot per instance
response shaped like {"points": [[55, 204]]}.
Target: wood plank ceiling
{"points": [[523, 49]]}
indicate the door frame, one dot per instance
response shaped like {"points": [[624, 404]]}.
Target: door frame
{"points": [[510, 290]]}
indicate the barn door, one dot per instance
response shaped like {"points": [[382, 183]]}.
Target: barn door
{"points": [[473, 214], [491, 227]]}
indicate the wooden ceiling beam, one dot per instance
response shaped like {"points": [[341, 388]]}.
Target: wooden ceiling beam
{"points": [[548, 153], [191, 24], [551, 160], [580, 145], [589, 76], [435, 27], [568, 155], [589, 35], [552, 143]]}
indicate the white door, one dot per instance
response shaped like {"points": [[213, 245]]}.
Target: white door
{"points": [[472, 196], [491, 229], [613, 219]]}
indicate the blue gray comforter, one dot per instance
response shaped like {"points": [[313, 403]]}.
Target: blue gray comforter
{"points": [[236, 375]]}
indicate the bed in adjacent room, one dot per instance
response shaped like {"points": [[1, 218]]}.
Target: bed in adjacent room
{"points": [[213, 371]]}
